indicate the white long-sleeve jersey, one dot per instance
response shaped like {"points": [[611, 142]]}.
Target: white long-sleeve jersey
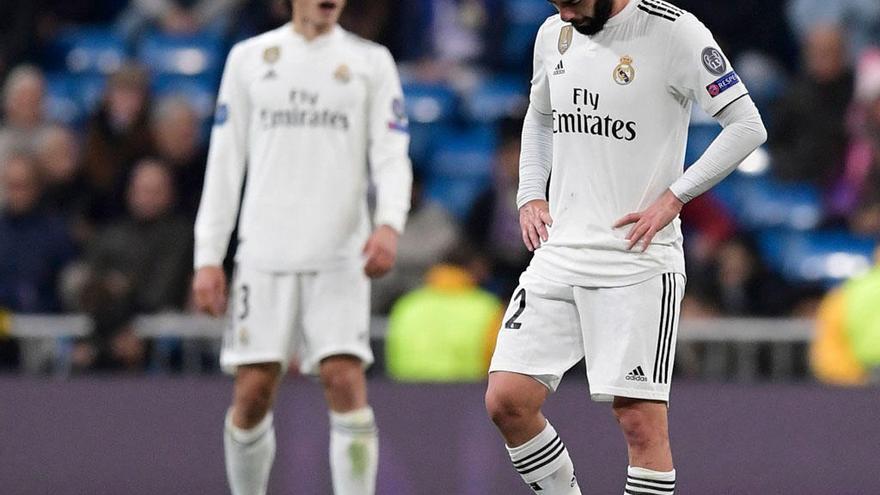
{"points": [[615, 109], [304, 118]]}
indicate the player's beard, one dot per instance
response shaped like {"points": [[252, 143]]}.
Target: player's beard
{"points": [[601, 14]]}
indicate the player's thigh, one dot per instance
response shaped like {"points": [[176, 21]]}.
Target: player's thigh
{"points": [[336, 317], [540, 333], [630, 337], [262, 313]]}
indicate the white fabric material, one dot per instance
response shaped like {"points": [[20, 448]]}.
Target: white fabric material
{"points": [[627, 334], [536, 156], [743, 132], [312, 315], [620, 104], [249, 456], [306, 117], [645, 481], [354, 452], [544, 464]]}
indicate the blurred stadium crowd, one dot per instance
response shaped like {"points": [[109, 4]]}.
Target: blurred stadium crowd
{"points": [[106, 110]]}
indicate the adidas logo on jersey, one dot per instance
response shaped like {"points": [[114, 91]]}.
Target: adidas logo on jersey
{"points": [[637, 375], [559, 69]]}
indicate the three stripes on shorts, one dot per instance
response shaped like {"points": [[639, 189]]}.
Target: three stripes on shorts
{"points": [[667, 324]]}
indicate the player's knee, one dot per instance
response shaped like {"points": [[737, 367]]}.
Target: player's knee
{"points": [[636, 423], [254, 393], [507, 409], [342, 375]]}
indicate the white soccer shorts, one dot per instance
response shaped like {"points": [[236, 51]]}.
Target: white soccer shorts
{"points": [[627, 334], [274, 316]]}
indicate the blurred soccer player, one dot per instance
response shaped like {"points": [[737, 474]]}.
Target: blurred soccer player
{"points": [[613, 85], [305, 106]]}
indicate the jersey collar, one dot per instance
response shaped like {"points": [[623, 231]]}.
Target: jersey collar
{"points": [[335, 33], [623, 15]]}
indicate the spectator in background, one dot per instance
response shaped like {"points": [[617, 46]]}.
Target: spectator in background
{"points": [[117, 135], [808, 138], [445, 331], [493, 222], [176, 134], [23, 95], [60, 163], [736, 283], [178, 16], [857, 195], [34, 247], [846, 348], [140, 264], [859, 20], [430, 233], [18, 21]]}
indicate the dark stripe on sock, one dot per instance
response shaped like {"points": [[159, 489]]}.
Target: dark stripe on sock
{"points": [[659, 482], [661, 489], [548, 461], [539, 453], [637, 492]]}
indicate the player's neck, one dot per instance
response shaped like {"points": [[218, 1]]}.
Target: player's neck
{"points": [[618, 6], [310, 30]]}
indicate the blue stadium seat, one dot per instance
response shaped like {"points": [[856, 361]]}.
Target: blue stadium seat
{"points": [[422, 140], [200, 92], [63, 103], [91, 50], [523, 17], [429, 103], [460, 168], [760, 202], [825, 257], [497, 98], [527, 12], [90, 90], [196, 55], [700, 136]]}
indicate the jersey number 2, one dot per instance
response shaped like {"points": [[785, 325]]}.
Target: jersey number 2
{"points": [[512, 323]]}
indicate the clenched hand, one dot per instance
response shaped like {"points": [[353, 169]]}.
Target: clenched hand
{"points": [[209, 290], [380, 251]]}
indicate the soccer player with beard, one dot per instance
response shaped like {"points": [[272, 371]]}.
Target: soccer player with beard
{"points": [[610, 103], [303, 108]]}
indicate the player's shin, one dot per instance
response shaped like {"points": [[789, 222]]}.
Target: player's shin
{"points": [[544, 464], [354, 452], [249, 456]]}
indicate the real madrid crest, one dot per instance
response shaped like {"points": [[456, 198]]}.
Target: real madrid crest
{"points": [[272, 54], [342, 74], [624, 73], [565, 35]]}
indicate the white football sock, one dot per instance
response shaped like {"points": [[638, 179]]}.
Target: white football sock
{"points": [[544, 464], [641, 481], [249, 456], [354, 452]]}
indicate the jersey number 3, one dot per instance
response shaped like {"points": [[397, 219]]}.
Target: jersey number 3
{"points": [[512, 323]]}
